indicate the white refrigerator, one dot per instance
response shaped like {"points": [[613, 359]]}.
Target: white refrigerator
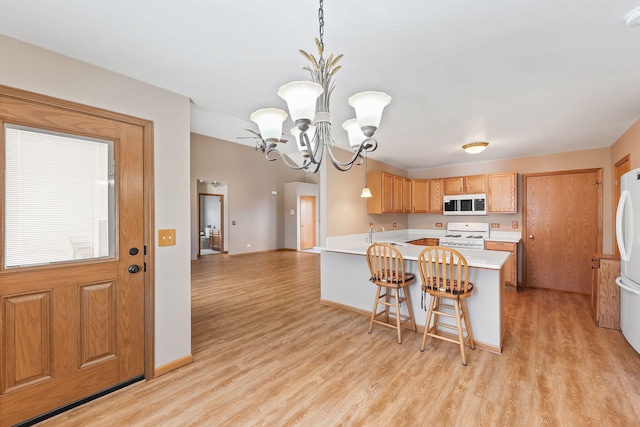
{"points": [[628, 237]]}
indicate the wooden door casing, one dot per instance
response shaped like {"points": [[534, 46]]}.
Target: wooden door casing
{"points": [[71, 330], [563, 218]]}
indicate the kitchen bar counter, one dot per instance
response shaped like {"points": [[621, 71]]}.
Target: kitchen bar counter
{"points": [[345, 283]]}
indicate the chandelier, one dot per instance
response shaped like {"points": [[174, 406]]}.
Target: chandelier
{"points": [[308, 103]]}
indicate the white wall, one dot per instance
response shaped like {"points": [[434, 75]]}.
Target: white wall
{"points": [[34, 69]]}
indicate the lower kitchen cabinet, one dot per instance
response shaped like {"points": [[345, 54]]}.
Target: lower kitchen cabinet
{"points": [[511, 266], [605, 294], [430, 241]]}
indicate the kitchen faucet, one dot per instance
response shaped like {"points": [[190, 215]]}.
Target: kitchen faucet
{"points": [[371, 231]]}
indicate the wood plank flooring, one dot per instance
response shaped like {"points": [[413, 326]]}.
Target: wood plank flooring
{"points": [[266, 352]]}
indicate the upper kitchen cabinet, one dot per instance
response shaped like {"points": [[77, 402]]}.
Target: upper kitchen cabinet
{"points": [[436, 192], [473, 184], [401, 194], [420, 196], [381, 185], [454, 185], [502, 192], [406, 195]]}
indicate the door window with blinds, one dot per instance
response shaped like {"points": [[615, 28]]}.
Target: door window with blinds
{"points": [[59, 198]]}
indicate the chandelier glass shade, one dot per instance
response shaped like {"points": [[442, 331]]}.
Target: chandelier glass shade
{"points": [[308, 105]]}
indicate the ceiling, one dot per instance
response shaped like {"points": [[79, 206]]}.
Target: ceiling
{"points": [[531, 77]]}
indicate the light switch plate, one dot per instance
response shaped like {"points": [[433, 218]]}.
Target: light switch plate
{"points": [[167, 237]]}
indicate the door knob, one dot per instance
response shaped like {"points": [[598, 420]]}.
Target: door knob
{"points": [[134, 268], [531, 236]]}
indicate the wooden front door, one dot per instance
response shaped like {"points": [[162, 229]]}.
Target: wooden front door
{"points": [[71, 294], [307, 222], [562, 220]]}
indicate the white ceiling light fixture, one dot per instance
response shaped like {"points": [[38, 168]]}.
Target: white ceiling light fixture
{"points": [[308, 103], [475, 147], [633, 17]]}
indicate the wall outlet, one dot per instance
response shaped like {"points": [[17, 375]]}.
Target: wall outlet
{"points": [[438, 224], [495, 225], [514, 224]]}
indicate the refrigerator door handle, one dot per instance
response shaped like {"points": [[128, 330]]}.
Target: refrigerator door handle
{"points": [[624, 199], [625, 287]]}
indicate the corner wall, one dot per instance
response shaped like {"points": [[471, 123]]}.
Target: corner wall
{"points": [[34, 69], [250, 179]]}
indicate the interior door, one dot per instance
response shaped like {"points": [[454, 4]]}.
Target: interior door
{"points": [[71, 305], [307, 222], [562, 229]]}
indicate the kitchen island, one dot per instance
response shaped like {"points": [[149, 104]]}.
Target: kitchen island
{"points": [[345, 283]]}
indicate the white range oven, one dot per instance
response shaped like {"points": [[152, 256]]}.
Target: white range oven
{"points": [[469, 235]]}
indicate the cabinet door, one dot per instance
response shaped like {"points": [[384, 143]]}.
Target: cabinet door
{"points": [[406, 195], [436, 192], [387, 192], [420, 195], [502, 192], [454, 185], [397, 193], [475, 184], [510, 267]]}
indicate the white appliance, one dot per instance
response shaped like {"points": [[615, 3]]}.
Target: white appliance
{"points": [[628, 237], [468, 235], [465, 204]]}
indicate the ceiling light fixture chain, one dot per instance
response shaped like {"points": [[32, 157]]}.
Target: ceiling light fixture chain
{"points": [[308, 104]]}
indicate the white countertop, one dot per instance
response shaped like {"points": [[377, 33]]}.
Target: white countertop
{"points": [[356, 244]]}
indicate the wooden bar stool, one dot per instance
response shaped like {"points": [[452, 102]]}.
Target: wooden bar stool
{"points": [[387, 271], [445, 277]]}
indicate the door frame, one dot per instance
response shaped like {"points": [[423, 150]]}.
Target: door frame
{"points": [[221, 196], [525, 236], [148, 202]]}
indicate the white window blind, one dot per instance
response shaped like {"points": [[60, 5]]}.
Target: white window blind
{"points": [[59, 197]]}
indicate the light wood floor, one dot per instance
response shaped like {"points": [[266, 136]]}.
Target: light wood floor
{"points": [[268, 353]]}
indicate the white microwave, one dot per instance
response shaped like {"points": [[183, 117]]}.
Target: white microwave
{"points": [[465, 204]]}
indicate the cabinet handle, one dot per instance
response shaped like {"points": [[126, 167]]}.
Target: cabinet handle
{"points": [[530, 236]]}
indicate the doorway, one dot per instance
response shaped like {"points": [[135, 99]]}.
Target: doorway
{"points": [[210, 224], [563, 218], [76, 312], [307, 222]]}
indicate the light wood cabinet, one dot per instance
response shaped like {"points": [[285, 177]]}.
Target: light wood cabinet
{"points": [[502, 192], [406, 195], [420, 196], [475, 184], [398, 192], [472, 184], [381, 185], [436, 192], [605, 294], [429, 241], [390, 193], [454, 185], [511, 266]]}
